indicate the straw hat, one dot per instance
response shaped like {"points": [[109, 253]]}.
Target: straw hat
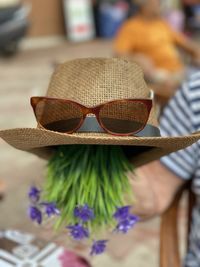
{"points": [[90, 82]]}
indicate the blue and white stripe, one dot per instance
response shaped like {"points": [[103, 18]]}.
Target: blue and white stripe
{"points": [[181, 117]]}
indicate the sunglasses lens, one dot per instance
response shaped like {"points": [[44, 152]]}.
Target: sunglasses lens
{"points": [[58, 116], [124, 117]]}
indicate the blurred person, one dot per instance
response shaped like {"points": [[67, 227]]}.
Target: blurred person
{"points": [[158, 182], [150, 41]]}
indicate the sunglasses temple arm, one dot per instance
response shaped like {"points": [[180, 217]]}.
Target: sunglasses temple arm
{"points": [[152, 94]]}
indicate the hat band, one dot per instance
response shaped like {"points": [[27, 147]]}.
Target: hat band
{"points": [[91, 125]]}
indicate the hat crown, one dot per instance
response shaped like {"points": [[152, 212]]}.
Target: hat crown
{"points": [[92, 81]]}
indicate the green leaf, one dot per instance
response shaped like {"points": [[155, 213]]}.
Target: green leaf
{"points": [[88, 174]]}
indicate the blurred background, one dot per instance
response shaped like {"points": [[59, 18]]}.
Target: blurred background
{"points": [[36, 36]]}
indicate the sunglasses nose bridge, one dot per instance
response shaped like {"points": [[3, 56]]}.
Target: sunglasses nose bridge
{"points": [[87, 111]]}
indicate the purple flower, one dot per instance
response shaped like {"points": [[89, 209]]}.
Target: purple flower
{"points": [[50, 209], [122, 213], [35, 214], [84, 213], [125, 225], [78, 232], [34, 194], [98, 247]]}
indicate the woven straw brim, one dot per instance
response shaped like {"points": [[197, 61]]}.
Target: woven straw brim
{"points": [[41, 142]]}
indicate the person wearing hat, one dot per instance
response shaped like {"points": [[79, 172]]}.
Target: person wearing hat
{"points": [[150, 41], [102, 101]]}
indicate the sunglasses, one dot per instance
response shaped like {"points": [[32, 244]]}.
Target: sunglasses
{"points": [[121, 117]]}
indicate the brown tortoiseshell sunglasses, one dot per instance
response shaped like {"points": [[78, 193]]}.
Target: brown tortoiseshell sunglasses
{"points": [[120, 117]]}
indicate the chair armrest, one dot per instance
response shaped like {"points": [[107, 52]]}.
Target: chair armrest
{"points": [[169, 240]]}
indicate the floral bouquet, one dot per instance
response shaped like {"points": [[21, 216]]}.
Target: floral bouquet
{"points": [[87, 189]]}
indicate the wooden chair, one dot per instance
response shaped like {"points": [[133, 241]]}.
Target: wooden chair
{"points": [[169, 239]]}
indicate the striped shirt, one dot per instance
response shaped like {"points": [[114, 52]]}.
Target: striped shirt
{"points": [[181, 117]]}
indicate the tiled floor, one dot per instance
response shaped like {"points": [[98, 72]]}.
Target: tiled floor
{"points": [[25, 75]]}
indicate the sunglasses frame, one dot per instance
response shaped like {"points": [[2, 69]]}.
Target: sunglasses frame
{"points": [[95, 111]]}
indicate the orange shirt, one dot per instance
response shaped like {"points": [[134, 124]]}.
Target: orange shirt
{"points": [[155, 39]]}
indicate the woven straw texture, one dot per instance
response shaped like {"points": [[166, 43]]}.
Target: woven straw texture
{"points": [[92, 82], [37, 140]]}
